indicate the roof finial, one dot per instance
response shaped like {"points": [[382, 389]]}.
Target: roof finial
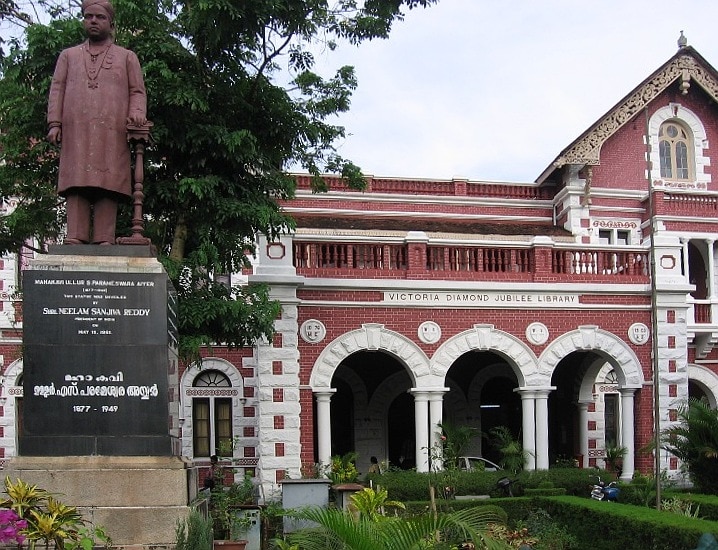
{"points": [[682, 41]]}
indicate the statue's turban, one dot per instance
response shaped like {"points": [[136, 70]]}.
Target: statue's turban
{"points": [[104, 4]]}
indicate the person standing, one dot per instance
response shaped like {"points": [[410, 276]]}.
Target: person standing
{"points": [[97, 90]]}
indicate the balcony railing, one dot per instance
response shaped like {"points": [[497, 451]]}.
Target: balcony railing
{"points": [[479, 259], [599, 262], [384, 257], [379, 260]]}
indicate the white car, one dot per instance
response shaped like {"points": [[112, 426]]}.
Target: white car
{"points": [[477, 463]]}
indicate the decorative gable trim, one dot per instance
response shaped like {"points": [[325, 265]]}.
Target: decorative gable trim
{"points": [[587, 149]]}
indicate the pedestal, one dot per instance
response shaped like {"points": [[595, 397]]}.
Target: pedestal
{"points": [[100, 391]]}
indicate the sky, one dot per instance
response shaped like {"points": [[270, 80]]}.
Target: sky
{"points": [[494, 90]]}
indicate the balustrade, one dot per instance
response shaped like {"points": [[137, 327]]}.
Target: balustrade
{"points": [[599, 262], [390, 259]]}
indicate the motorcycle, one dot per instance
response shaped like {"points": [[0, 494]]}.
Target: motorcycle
{"points": [[601, 491]]}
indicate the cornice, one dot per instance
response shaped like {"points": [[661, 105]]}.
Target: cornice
{"points": [[685, 68]]}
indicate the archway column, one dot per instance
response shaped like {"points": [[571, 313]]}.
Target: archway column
{"points": [[436, 417], [324, 424], [542, 427], [528, 425], [583, 433], [711, 269], [627, 432], [421, 428]]}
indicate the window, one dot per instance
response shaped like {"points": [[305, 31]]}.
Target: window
{"points": [[674, 146], [211, 416], [614, 236]]}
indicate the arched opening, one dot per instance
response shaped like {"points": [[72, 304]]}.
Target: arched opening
{"points": [[697, 391], [697, 272], [564, 443], [371, 413], [482, 396], [400, 431]]}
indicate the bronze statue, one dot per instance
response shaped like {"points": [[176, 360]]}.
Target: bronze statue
{"points": [[97, 90]]}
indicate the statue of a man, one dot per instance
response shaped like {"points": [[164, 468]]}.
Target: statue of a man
{"points": [[97, 90]]}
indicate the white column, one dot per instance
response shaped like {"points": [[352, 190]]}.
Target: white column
{"points": [[542, 428], [421, 429], [627, 432], [324, 425], [528, 425], [686, 264], [583, 433], [436, 417], [711, 268]]}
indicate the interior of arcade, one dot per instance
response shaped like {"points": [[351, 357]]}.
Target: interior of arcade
{"points": [[372, 411]]}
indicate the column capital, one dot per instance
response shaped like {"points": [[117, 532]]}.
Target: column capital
{"points": [[324, 394], [539, 392], [420, 394]]}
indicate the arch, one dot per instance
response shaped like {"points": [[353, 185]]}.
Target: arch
{"points": [[12, 390], [681, 114], [486, 338], [605, 344], [236, 391], [707, 380], [371, 337]]}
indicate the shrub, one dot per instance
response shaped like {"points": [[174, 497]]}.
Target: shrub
{"points": [[194, 533]]}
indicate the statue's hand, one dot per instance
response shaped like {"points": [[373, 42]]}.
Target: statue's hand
{"points": [[54, 136], [136, 120]]}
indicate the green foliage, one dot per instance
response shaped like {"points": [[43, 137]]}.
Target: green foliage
{"points": [[682, 507], [338, 529], [343, 469], [550, 534], [48, 520], [223, 504], [194, 533], [615, 525], [694, 440], [513, 455], [455, 441], [235, 102], [372, 504]]}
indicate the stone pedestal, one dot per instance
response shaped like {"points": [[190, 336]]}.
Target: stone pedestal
{"points": [[138, 500], [100, 391]]}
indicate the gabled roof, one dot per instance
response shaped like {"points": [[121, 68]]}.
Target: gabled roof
{"points": [[686, 66]]}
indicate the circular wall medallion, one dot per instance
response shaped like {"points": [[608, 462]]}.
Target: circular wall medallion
{"points": [[429, 332], [313, 331], [537, 333], [638, 333]]}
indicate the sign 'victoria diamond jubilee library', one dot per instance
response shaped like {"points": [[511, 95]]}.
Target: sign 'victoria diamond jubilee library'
{"points": [[95, 363]]}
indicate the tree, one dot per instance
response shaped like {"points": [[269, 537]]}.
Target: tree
{"points": [[234, 101], [694, 440]]}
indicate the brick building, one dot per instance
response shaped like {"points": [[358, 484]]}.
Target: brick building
{"points": [[526, 305]]}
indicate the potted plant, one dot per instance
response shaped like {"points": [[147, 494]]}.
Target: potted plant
{"points": [[229, 523], [614, 458]]}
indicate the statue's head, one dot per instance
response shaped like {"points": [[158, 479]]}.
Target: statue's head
{"points": [[104, 4]]}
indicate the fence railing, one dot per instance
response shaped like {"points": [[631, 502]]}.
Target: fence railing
{"points": [[392, 260]]}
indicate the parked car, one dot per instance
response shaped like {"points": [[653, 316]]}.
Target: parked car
{"points": [[477, 463]]}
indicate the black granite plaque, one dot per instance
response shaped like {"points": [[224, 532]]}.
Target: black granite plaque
{"points": [[95, 377]]}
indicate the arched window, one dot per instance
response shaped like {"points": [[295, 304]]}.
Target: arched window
{"points": [[211, 415], [675, 144]]}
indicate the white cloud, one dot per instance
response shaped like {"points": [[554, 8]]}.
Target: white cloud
{"points": [[495, 90]]}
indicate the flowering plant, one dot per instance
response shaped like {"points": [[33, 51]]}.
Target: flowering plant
{"points": [[11, 526]]}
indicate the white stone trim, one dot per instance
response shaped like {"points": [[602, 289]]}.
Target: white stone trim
{"points": [[678, 112], [607, 345], [188, 377], [486, 337], [374, 337]]}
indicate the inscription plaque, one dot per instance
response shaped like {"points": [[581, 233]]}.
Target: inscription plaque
{"points": [[95, 378]]}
